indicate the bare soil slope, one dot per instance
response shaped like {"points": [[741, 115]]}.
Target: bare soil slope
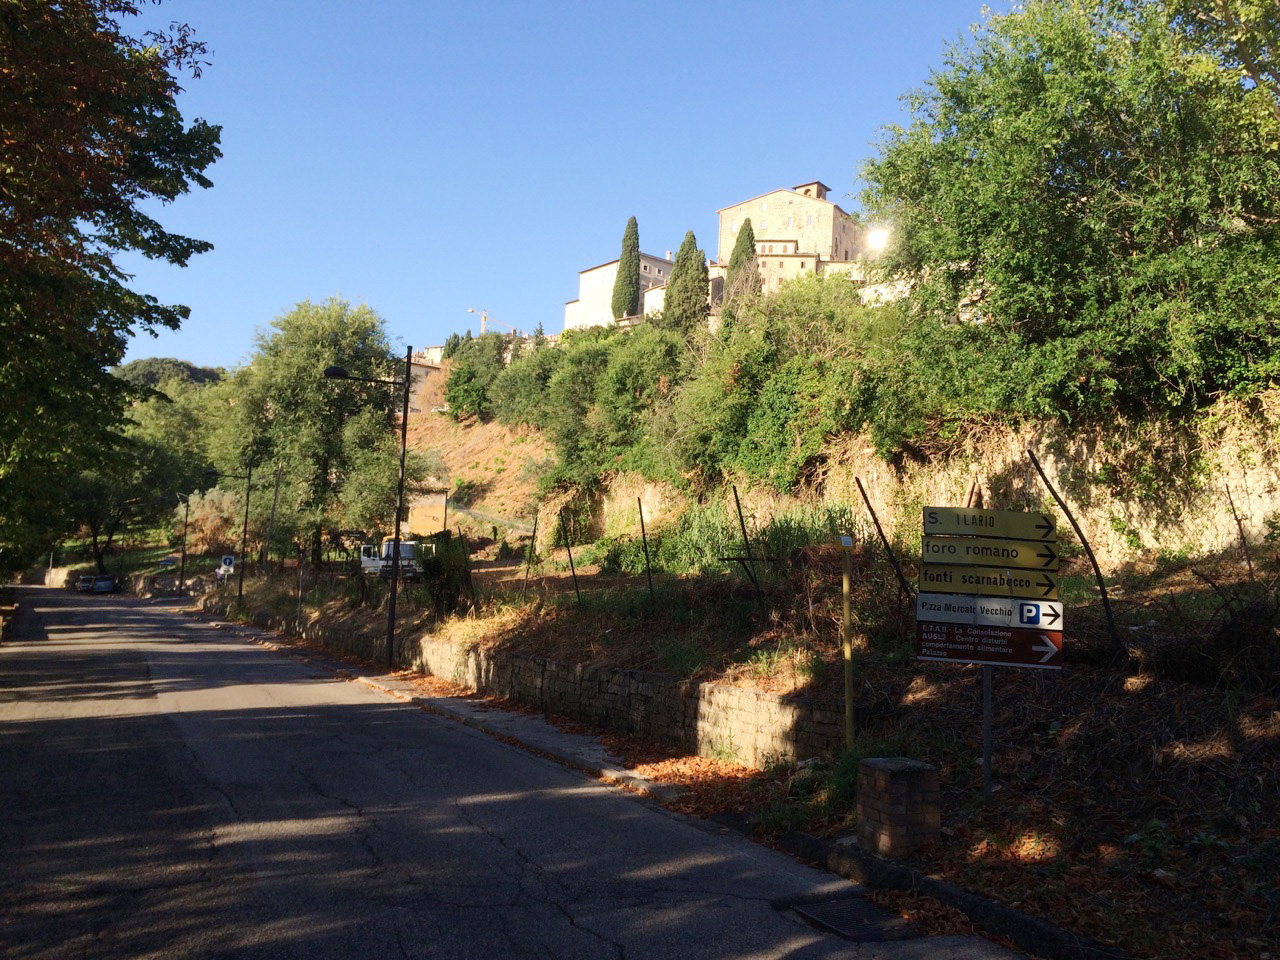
{"points": [[492, 468]]}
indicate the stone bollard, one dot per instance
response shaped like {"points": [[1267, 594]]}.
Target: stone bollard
{"points": [[898, 805]]}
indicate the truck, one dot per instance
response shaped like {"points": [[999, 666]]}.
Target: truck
{"points": [[376, 559]]}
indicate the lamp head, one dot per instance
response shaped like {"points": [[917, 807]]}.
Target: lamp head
{"points": [[336, 373]]}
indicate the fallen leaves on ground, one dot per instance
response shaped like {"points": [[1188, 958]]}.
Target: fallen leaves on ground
{"points": [[930, 916]]}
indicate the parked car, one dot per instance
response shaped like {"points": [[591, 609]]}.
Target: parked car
{"points": [[85, 584], [104, 583]]}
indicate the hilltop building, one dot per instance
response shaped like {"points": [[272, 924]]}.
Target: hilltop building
{"points": [[594, 306], [797, 231]]}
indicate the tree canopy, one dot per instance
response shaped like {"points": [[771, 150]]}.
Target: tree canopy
{"points": [[742, 277], [626, 285], [92, 134], [153, 371], [476, 365], [685, 306], [333, 440], [1092, 195]]}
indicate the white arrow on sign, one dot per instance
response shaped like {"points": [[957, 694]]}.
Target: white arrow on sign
{"points": [[1049, 649]]}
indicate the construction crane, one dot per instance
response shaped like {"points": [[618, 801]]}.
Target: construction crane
{"points": [[485, 320]]}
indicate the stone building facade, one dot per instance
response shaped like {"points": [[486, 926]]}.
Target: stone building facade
{"points": [[594, 306], [797, 231]]}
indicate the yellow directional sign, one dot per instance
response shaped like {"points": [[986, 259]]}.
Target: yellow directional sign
{"points": [[1008, 524], [988, 581], [983, 552]]}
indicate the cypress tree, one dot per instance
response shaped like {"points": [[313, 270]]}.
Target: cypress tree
{"points": [[685, 305], [743, 274], [626, 287]]}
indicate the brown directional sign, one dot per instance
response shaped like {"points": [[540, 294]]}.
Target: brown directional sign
{"points": [[988, 581], [997, 646], [984, 552], [1007, 524]]}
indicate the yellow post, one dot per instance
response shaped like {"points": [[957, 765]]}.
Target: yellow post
{"points": [[847, 543]]}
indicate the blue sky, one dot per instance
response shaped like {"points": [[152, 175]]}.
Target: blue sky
{"points": [[427, 157]]}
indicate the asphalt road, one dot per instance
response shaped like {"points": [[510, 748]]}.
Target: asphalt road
{"points": [[170, 791]]}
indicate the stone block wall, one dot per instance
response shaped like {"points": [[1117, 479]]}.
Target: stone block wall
{"points": [[899, 806], [711, 719]]}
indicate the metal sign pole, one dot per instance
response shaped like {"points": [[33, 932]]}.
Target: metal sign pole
{"points": [[244, 536], [848, 651], [987, 672], [644, 539]]}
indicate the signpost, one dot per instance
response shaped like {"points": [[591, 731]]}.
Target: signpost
{"points": [[989, 595], [227, 568], [989, 611], [986, 581], [989, 646], [983, 552], [846, 547], [1012, 524]]}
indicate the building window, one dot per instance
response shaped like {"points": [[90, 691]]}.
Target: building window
{"points": [[779, 264], [810, 219], [764, 224], [802, 264], [645, 267], [764, 205], [791, 222]]}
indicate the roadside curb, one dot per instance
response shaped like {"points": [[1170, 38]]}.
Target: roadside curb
{"points": [[1032, 934], [585, 757]]}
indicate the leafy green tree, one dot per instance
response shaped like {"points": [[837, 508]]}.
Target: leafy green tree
{"points": [[367, 499], [134, 481], [1244, 35], [519, 392], [93, 137], [796, 412], [279, 410], [626, 285], [685, 306], [643, 368], [154, 371], [1100, 195], [703, 426], [451, 344], [572, 417], [476, 366], [742, 276]]}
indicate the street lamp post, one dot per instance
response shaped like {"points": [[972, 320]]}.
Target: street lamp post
{"points": [[340, 373], [182, 565], [244, 535]]}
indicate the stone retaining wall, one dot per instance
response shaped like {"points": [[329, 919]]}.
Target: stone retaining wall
{"points": [[714, 720]]}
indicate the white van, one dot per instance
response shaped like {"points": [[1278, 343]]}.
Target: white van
{"points": [[375, 561]]}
